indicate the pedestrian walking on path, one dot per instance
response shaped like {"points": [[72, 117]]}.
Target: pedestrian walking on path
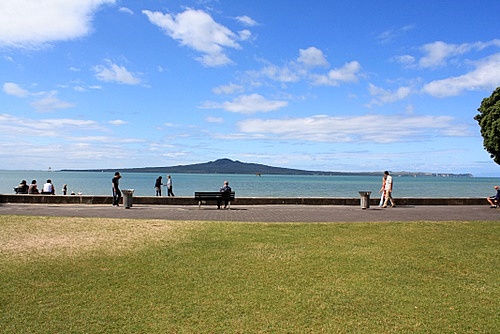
{"points": [[117, 194], [388, 190]]}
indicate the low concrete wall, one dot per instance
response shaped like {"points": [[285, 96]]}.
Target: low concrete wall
{"points": [[152, 200]]}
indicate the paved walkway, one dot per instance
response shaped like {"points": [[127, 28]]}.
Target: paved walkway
{"points": [[261, 213]]}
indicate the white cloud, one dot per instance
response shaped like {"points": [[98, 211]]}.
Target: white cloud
{"points": [[9, 59], [115, 73], [212, 119], [196, 29], [33, 24], [79, 89], [312, 57], [437, 53], [406, 60], [214, 59], [244, 34], [281, 74], [14, 89], [175, 155], [48, 127], [382, 96], [42, 101], [117, 122], [50, 102], [348, 73], [84, 140], [368, 128], [303, 69], [295, 70], [126, 10], [70, 143], [248, 104], [390, 35], [228, 89], [485, 76], [246, 20]]}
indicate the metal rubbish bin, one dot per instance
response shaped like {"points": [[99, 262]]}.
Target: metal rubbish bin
{"points": [[365, 199], [127, 198]]}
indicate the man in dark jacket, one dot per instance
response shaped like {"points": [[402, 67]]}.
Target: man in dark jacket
{"points": [[117, 194], [226, 193], [158, 185]]}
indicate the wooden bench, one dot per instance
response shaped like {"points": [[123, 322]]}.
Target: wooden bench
{"points": [[213, 196]]}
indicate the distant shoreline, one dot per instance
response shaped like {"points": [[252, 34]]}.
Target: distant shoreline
{"points": [[227, 166], [396, 174]]}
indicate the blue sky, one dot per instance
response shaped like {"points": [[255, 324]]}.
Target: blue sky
{"points": [[317, 85]]}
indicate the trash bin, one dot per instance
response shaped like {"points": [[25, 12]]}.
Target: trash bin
{"points": [[365, 199], [127, 198]]}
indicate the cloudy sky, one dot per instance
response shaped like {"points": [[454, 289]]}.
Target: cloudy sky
{"points": [[352, 85]]}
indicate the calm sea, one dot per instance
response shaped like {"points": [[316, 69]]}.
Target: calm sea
{"points": [[95, 183]]}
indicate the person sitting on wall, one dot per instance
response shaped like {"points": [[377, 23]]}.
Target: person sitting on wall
{"points": [[22, 188], [48, 188], [33, 189], [494, 200]]}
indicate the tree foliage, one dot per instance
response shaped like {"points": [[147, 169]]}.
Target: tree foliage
{"points": [[489, 121]]}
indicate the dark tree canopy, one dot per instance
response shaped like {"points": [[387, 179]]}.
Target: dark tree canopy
{"points": [[489, 121]]}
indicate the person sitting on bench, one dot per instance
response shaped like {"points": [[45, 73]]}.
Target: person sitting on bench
{"points": [[494, 200], [226, 192]]}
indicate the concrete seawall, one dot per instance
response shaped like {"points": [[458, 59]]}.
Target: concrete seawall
{"points": [[152, 200]]}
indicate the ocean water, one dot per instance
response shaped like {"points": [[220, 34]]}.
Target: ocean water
{"points": [[96, 183]]}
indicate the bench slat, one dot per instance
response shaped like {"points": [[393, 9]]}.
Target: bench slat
{"points": [[212, 194]]}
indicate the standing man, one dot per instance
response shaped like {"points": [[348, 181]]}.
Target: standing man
{"points": [[117, 194], [388, 190], [169, 186], [158, 185]]}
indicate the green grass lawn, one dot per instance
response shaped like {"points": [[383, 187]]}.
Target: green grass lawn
{"points": [[79, 275]]}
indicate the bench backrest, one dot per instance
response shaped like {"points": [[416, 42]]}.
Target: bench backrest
{"points": [[213, 195]]}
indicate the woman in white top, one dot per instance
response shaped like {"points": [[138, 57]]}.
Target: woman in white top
{"points": [[48, 188], [388, 190]]}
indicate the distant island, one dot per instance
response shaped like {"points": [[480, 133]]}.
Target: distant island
{"points": [[228, 166]]}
